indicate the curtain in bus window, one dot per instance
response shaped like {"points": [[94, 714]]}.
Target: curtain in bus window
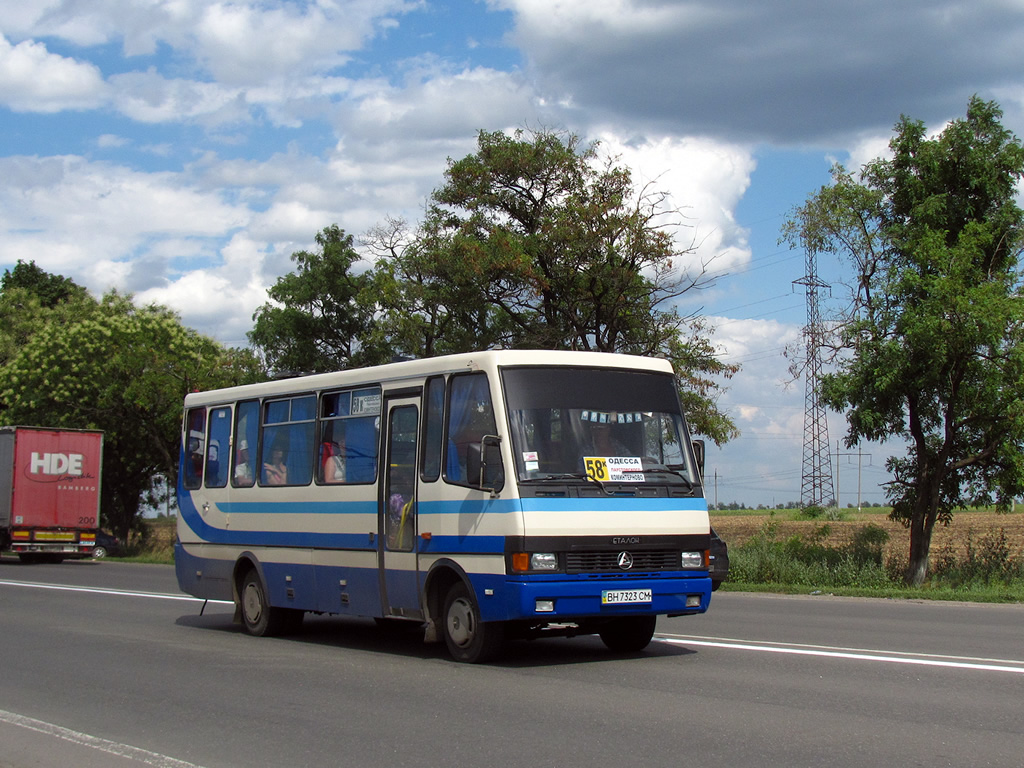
{"points": [[288, 448], [471, 417], [361, 438]]}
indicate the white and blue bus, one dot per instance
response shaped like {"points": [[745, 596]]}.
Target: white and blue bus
{"points": [[487, 496]]}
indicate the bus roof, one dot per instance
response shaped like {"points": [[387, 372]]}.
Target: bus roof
{"points": [[488, 360]]}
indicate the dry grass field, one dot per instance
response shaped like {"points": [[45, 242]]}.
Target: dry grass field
{"points": [[736, 529]]}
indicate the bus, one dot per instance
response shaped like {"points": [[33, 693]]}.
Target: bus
{"points": [[493, 496]]}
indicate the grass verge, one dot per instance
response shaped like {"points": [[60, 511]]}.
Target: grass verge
{"points": [[981, 569]]}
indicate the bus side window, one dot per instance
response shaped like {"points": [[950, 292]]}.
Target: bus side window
{"points": [[287, 444], [433, 435], [217, 447], [192, 459], [247, 426], [471, 416]]}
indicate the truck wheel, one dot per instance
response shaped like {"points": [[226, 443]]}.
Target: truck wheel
{"points": [[629, 634], [469, 639], [259, 617]]}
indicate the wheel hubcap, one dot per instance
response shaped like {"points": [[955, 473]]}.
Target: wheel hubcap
{"points": [[460, 623], [251, 604]]}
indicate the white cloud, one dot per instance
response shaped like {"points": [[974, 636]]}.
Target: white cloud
{"points": [[706, 179], [148, 97], [441, 105], [34, 80], [79, 218]]}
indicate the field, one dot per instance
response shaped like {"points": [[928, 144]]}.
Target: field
{"points": [[735, 529]]}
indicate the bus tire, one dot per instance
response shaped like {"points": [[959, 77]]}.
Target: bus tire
{"points": [[468, 638], [258, 616], [629, 634]]}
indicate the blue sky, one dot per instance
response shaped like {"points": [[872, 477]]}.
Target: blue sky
{"points": [[183, 149]]}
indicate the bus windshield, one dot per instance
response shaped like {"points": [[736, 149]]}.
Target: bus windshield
{"points": [[597, 424]]}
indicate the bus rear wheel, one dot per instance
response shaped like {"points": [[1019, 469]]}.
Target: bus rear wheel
{"points": [[259, 617], [468, 638], [629, 634]]}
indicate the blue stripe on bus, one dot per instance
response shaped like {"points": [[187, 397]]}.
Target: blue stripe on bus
{"points": [[615, 504], [467, 544], [437, 544]]}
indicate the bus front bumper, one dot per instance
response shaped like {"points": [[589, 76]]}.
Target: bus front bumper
{"points": [[553, 599]]}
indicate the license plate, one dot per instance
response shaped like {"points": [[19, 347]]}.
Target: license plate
{"points": [[618, 596]]}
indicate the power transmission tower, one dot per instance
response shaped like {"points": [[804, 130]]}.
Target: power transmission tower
{"points": [[816, 478]]}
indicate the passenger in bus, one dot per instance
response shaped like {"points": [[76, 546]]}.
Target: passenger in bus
{"points": [[333, 458], [604, 441], [243, 466], [276, 472]]}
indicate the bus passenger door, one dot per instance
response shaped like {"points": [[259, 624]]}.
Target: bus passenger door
{"points": [[398, 532]]}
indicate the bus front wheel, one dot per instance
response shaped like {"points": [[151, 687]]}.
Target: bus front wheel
{"points": [[468, 638], [629, 634], [259, 617]]}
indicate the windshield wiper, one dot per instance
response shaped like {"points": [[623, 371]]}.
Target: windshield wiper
{"points": [[571, 476], [676, 470]]}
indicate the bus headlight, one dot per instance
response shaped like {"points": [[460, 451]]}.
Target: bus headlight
{"points": [[543, 561], [534, 561], [693, 561]]}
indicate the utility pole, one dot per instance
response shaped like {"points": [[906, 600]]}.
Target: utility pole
{"points": [[816, 476], [860, 456]]}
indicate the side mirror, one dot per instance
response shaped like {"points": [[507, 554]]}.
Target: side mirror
{"points": [[483, 464], [698, 454]]}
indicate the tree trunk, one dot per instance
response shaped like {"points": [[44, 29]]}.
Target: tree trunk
{"points": [[920, 544], [922, 524]]}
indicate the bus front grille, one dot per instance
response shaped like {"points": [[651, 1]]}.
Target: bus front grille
{"points": [[608, 561]]}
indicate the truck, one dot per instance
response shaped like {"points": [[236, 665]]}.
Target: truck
{"points": [[49, 492]]}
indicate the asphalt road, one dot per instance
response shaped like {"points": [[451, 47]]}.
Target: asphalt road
{"points": [[106, 664]]}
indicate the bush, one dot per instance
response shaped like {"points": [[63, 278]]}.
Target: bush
{"points": [[989, 561], [807, 561]]}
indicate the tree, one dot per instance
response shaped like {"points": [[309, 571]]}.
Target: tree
{"points": [[536, 242], [316, 322], [28, 294], [50, 289], [125, 370], [934, 335]]}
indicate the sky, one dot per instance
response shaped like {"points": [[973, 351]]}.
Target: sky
{"points": [[182, 150]]}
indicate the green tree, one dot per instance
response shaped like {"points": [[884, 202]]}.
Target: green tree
{"points": [[316, 321], [125, 370], [934, 338], [534, 241], [51, 290], [29, 297]]}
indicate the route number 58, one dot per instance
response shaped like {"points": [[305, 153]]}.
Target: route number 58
{"points": [[597, 468]]}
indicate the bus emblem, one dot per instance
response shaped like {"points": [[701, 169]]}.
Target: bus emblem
{"points": [[625, 561]]}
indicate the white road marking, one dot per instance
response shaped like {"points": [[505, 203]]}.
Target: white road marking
{"points": [[1013, 666], [106, 591], [83, 739]]}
